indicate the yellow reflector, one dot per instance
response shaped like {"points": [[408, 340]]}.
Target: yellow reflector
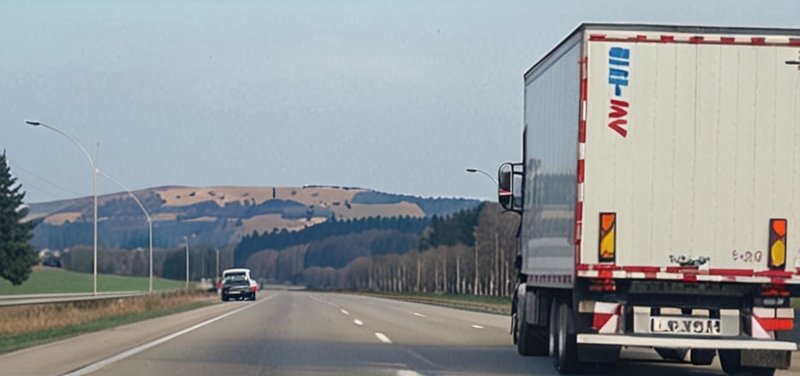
{"points": [[608, 237], [777, 244]]}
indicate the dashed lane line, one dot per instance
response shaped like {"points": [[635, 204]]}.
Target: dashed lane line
{"points": [[383, 337], [418, 314], [358, 322], [477, 326]]}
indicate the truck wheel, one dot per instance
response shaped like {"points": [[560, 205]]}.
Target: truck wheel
{"points": [[565, 357], [530, 342], [730, 360], [253, 296], [224, 298]]}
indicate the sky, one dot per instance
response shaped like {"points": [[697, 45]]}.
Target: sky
{"points": [[395, 96]]}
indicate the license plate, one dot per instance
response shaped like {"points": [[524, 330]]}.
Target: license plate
{"points": [[685, 325]]}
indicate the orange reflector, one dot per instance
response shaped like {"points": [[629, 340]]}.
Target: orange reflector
{"points": [[608, 237], [770, 324], [777, 244]]}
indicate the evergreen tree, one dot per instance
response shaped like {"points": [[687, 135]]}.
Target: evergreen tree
{"points": [[17, 256]]}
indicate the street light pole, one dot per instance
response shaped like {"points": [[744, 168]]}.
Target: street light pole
{"points": [[475, 170], [37, 123], [149, 223], [186, 240]]}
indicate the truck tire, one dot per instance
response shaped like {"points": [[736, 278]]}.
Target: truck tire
{"points": [[530, 342], [730, 360], [565, 357], [224, 297]]}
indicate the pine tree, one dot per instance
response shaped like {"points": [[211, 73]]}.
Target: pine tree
{"points": [[17, 256]]}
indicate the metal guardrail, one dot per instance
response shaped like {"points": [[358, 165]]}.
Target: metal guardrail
{"points": [[15, 300]]}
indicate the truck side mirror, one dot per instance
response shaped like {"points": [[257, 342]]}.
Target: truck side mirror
{"points": [[505, 186]]}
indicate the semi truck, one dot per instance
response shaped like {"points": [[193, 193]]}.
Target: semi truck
{"points": [[659, 191]]}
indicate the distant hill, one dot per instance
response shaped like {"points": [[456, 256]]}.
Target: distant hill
{"points": [[219, 216]]}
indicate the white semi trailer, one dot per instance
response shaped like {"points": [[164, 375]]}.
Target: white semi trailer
{"points": [[659, 187]]}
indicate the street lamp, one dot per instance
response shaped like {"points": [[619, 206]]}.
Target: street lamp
{"points": [[149, 223], [37, 123], [186, 241], [474, 170]]}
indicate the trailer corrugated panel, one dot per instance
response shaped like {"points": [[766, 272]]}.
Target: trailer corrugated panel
{"points": [[692, 142], [552, 97]]}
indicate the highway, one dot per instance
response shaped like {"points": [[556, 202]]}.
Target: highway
{"points": [[307, 333]]}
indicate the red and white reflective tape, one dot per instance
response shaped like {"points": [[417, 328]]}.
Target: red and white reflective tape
{"points": [[581, 156], [766, 321], [606, 271], [699, 39]]}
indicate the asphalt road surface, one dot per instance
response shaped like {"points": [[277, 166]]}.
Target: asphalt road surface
{"points": [[306, 333]]}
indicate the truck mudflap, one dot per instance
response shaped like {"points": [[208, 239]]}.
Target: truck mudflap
{"points": [[684, 342]]}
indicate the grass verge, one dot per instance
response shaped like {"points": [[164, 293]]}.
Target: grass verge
{"points": [[59, 281], [27, 326]]}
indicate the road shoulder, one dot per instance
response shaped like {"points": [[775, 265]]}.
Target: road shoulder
{"points": [[63, 356]]}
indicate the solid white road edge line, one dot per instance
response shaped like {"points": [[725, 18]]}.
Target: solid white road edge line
{"points": [[477, 326], [383, 337], [358, 322], [418, 314], [345, 312], [131, 352]]}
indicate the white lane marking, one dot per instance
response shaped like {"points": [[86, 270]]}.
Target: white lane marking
{"points": [[345, 312], [324, 301], [477, 326], [405, 372], [383, 337], [131, 352], [418, 314], [358, 322]]}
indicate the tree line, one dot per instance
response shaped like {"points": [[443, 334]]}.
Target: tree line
{"points": [[470, 252]]}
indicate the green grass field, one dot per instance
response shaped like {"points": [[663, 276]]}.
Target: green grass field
{"points": [[58, 281]]}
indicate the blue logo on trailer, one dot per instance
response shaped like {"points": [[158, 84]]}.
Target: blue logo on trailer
{"points": [[619, 61]]}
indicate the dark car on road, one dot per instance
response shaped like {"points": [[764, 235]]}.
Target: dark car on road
{"points": [[237, 288]]}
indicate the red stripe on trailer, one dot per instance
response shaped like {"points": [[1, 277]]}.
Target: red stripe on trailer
{"points": [[732, 272], [597, 37], [668, 38], [681, 269], [774, 273], [690, 278], [794, 41], [584, 87], [642, 269], [757, 40], [582, 132], [582, 267], [727, 40], [696, 39], [604, 267], [581, 163], [579, 211]]}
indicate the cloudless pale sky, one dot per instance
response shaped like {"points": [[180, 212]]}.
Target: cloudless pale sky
{"points": [[397, 96]]}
